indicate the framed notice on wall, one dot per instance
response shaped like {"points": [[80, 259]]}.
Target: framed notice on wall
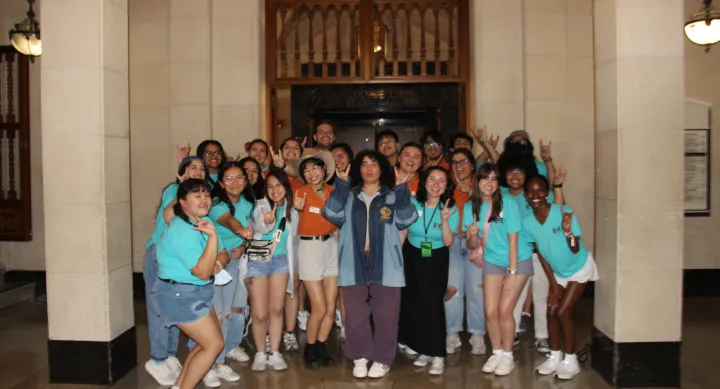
{"points": [[697, 172]]}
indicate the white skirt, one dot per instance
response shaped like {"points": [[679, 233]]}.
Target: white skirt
{"points": [[586, 274]]}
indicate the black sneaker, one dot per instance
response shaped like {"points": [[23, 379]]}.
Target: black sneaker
{"points": [[542, 346], [517, 340], [323, 355], [310, 356], [525, 322]]}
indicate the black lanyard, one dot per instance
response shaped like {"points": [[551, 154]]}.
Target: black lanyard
{"points": [[427, 227]]}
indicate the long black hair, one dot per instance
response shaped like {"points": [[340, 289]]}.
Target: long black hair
{"points": [[200, 152], [282, 177], [181, 172], [219, 194], [387, 175], [258, 190], [191, 185], [484, 172], [421, 195]]}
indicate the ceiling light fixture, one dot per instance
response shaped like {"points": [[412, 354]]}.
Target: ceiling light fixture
{"points": [[703, 28]]}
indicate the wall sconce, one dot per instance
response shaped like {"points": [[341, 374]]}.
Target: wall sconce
{"points": [[703, 28]]}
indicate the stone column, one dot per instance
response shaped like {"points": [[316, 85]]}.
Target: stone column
{"points": [[86, 178], [639, 196]]}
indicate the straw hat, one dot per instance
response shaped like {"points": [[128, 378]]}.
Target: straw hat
{"points": [[293, 166]]}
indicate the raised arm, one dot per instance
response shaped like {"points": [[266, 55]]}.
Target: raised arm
{"points": [[334, 208]]}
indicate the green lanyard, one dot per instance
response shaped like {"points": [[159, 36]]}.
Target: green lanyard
{"points": [[426, 247]]}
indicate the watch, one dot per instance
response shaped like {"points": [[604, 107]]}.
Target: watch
{"points": [[512, 271], [557, 186]]}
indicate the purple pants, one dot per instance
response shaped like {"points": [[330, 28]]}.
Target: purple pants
{"points": [[383, 304]]}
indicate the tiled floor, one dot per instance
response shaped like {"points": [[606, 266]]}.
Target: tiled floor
{"points": [[23, 359]]}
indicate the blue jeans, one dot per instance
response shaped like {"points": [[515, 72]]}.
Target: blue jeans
{"points": [[226, 297], [163, 340], [467, 279]]}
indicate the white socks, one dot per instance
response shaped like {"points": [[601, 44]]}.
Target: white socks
{"points": [[571, 358], [557, 355]]}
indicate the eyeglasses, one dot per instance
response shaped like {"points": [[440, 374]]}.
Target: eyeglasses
{"points": [[213, 153], [432, 144], [310, 169], [386, 143], [459, 163], [234, 178]]}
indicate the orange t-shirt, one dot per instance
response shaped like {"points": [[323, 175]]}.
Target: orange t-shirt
{"points": [[460, 199], [413, 185], [312, 222], [295, 184], [443, 164]]}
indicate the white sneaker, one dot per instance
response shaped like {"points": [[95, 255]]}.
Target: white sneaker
{"points": [[290, 341], [174, 365], [551, 363], [407, 350], [360, 370], [226, 373], [378, 370], [338, 318], [238, 354], [161, 372], [211, 380], [452, 342], [477, 342], [302, 320], [568, 369], [277, 361], [259, 362], [422, 361], [491, 364], [342, 332], [505, 366], [438, 366]]}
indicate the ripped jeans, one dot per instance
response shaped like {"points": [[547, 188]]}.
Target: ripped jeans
{"points": [[227, 297], [467, 279]]}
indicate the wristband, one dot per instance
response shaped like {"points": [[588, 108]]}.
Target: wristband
{"points": [[547, 160], [557, 186]]}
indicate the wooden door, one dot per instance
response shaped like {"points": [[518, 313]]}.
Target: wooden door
{"points": [[15, 211]]}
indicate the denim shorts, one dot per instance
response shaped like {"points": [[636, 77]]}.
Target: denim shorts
{"points": [[182, 303], [277, 265], [524, 268]]}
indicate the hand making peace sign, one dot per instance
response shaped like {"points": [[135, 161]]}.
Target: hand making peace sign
{"points": [[269, 216]]}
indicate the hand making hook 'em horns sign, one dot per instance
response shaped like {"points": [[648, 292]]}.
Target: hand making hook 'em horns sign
{"points": [[343, 175], [447, 211], [401, 177], [299, 202], [566, 221], [472, 229], [277, 159]]}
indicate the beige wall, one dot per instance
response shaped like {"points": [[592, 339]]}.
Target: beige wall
{"points": [[702, 82], [195, 73], [533, 69], [27, 255]]}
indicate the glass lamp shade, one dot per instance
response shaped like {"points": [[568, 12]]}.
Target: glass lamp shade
{"points": [[27, 44], [702, 33]]}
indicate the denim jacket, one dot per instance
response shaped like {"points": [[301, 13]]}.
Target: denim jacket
{"points": [[390, 212]]}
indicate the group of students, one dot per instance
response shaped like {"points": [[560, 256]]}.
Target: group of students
{"points": [[397, 237]]}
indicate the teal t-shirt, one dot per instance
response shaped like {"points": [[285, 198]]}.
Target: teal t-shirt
{"points": [[552, 243], [179, 249], [430, 218], [167, 197], [213, 179], [497, 250], [280, 249], [243, 209]]}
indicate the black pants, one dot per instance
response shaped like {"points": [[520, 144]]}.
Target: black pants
{"points": [[422, 304]]}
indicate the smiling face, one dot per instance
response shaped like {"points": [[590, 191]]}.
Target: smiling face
{"points": [[342, 160], [259, 152], [370, 171], [212, 156], [196, 169], [387, 146], [436, 183], [324, 136], [275, 190], [233, 181], [196, 204], [433, 149], [536, 193], [461, 167], [313, 174], [488, 185], [410, 160], [252, 172], [461, 143], [291, 150], [515, 178]]}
